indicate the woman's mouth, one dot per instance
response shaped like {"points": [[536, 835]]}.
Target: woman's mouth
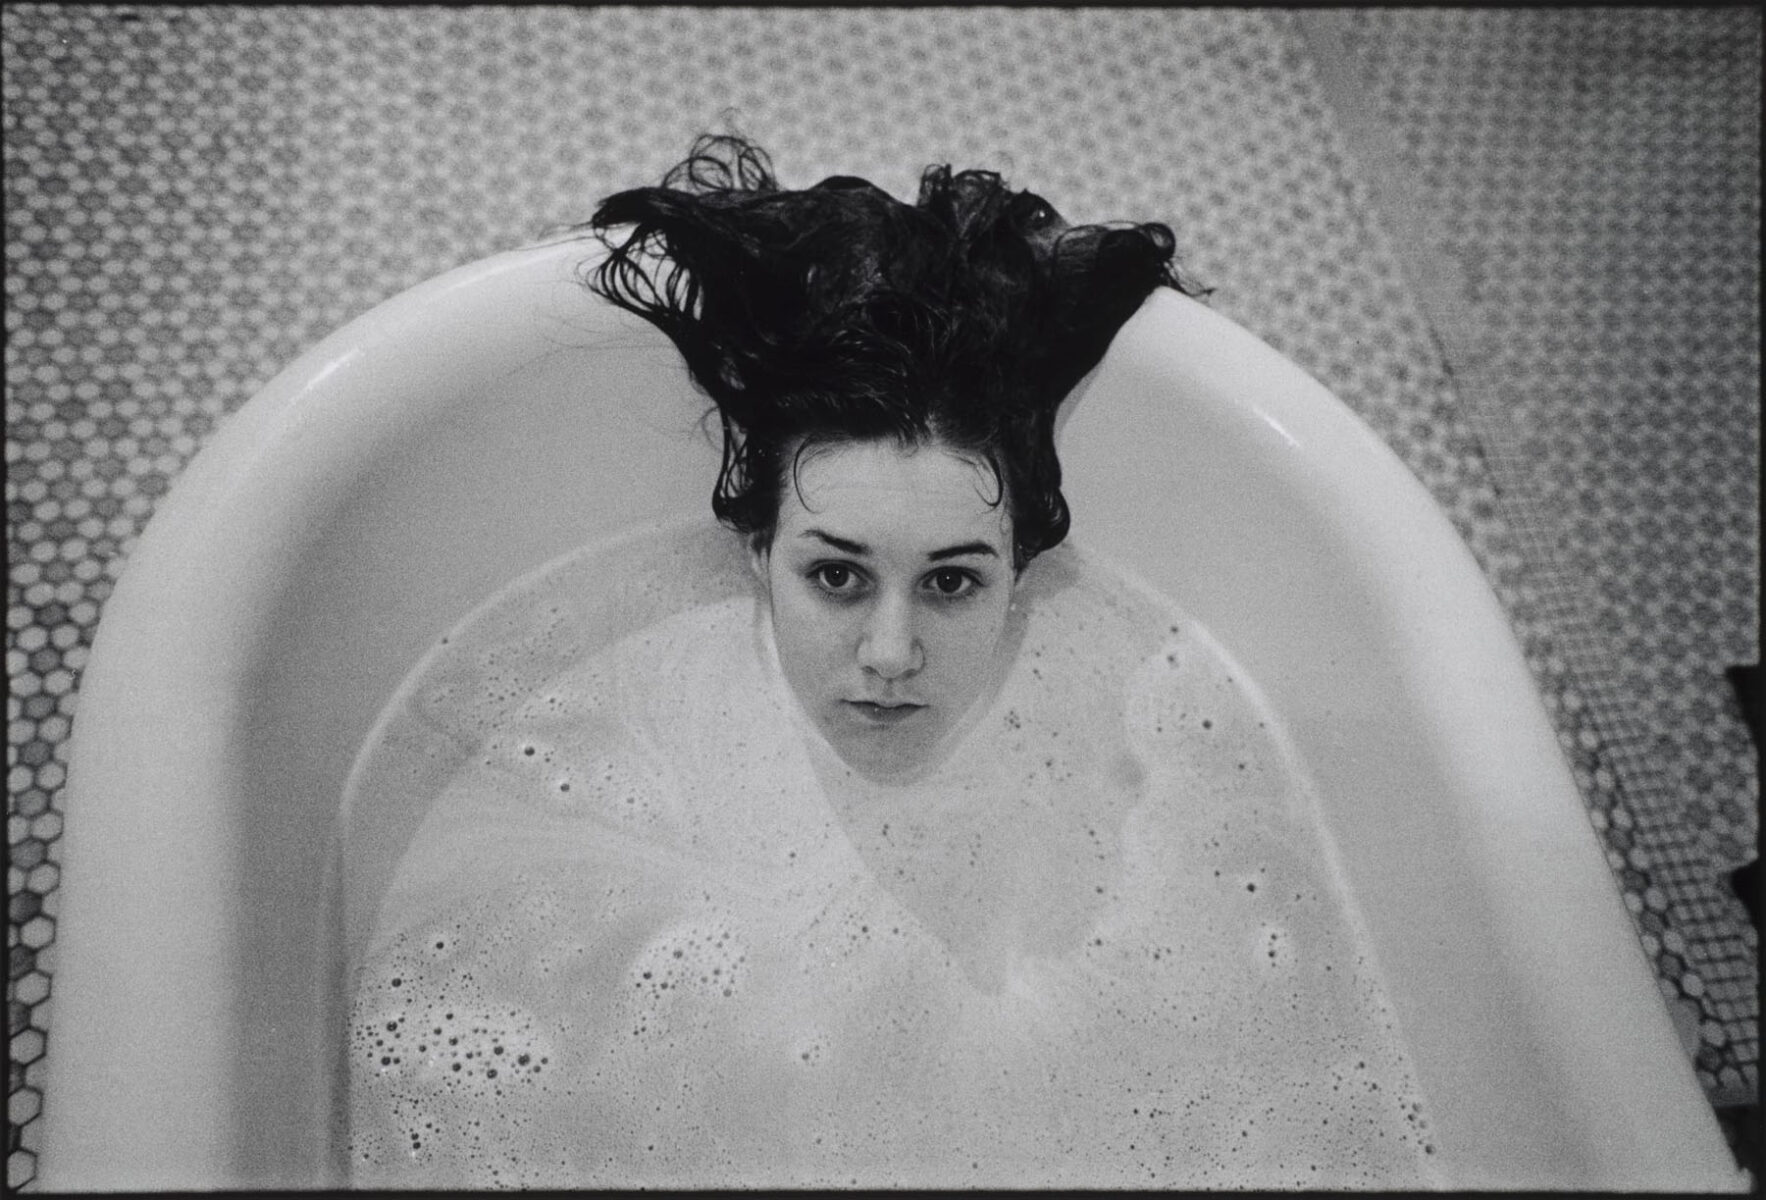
{"points": [[882, 714]]}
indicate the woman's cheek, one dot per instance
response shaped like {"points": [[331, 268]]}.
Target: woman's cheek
{"points": [[809, 631]]}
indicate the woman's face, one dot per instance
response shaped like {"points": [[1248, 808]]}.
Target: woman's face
{"points": [[890, 579]]}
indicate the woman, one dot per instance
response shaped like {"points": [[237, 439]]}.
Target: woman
{"points": [[900, 367], [724, 903]]}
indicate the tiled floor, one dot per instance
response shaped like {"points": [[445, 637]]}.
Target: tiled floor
{"points": [[1523, 245]]}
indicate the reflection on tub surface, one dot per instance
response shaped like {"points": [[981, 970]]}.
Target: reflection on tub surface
{"points": [[650, 930]]}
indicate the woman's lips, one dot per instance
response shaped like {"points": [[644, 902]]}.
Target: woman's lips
{"points": [[882, 714]]}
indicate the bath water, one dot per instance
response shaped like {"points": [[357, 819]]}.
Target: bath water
{"points": [[652, 931]]}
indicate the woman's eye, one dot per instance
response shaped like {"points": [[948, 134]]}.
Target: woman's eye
{"points": [[951, 584], [834, 577]]}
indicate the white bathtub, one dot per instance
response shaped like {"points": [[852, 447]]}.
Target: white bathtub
{"points": [[493, 418]]}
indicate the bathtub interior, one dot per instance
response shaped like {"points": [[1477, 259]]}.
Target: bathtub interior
{"points": [[495, 418]]}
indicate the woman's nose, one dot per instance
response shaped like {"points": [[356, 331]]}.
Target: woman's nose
{"points": [[889, 646]]}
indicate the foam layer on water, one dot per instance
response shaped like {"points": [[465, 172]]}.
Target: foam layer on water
{"points": [[653, 932]]}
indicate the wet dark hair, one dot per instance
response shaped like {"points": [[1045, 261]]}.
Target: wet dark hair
{"points": [[838, 313]]}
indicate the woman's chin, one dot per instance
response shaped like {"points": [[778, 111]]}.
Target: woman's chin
{"points": [[891, 751]]}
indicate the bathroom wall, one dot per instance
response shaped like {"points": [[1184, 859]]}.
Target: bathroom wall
{"points": [[1522, 244]]}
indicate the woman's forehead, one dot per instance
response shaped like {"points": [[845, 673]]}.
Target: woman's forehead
{"points": [[897, 498]]}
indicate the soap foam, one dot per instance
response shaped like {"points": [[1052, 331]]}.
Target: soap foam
{"points": [[1099, 946]]}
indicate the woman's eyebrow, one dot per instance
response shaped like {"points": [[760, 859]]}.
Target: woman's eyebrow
{"points": [[859, 549], [839, 543], [960, 551]]}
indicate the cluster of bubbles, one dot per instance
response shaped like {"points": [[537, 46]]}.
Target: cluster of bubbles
{"points": [[446, 1059], [1099, 944]]}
